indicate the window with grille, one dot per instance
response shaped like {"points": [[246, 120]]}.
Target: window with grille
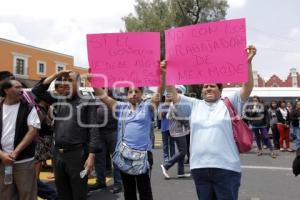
{"points": [[20, 66]]}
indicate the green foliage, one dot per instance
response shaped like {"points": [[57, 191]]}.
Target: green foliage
{"points": [[160, 15]]}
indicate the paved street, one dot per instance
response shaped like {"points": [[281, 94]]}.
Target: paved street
{"points": [[263, 178]]}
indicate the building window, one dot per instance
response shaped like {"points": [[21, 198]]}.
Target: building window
{"points": [[275, 85], [60, 67], [20, 65], [41, 67]]}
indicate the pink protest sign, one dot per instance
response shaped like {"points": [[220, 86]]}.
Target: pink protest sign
{"points": [[207, 53], [124, 59]]}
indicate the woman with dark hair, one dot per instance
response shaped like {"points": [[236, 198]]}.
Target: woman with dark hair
{"points": [[283, 116], [273, 123], [134, 131], [215, 161], [257, 115]]}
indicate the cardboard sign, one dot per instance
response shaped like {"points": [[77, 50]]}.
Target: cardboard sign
{"points": [[207, 53], [124, 59]]}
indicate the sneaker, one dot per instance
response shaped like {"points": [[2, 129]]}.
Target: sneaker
{"points": [[164, 171], [259, 153], [183, 175], [117, 189], [97, 187], [273, 155], [281, 149], [290, 150]]}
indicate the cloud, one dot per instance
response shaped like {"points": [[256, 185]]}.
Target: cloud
{"points": [[10, 32], [61, 25], [236, 3], [67, 8], [294, 33]]}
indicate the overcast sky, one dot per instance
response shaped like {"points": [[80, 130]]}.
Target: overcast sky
{"points": [[61, 25]]}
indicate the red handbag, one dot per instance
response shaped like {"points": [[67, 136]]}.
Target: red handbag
{"points": [[243, 135]]}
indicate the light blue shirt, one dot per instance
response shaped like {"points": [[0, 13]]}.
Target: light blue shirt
{"points": [[212, 142], [137, 125]]}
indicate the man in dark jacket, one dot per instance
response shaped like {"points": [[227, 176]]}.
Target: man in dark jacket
{"points": [[19, 123], [76, 135]]}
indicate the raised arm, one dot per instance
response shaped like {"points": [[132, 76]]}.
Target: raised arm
{"points": [[102, 94], [54, 76], [172, 94], [157, 96], [247, 87], [40, 89]]}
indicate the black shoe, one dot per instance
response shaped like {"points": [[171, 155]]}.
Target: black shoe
{"points": [[117, 189], [97, 187]]}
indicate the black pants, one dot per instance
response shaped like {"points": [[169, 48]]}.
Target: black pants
{"points": [[108, 144], [67, 168], [141, 182], [275, 135]]}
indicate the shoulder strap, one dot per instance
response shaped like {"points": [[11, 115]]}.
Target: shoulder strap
{"points": [[230, 107], [124, 114]]}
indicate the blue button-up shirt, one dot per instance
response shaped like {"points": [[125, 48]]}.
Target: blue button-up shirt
{"points": [[137, 125]]}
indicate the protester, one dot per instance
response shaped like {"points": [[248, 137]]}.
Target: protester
{"points": [[273, 124], [283, 116], [19, 124], [26, 96], [167, 140], [257, 115], [75, 142], [108, 140], [295, 118], [179, 129], [214, 162], [134, 127]]}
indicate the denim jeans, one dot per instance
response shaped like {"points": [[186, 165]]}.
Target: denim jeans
{"points": [[297, 133], [178, 157], [216, 184], [168, 145], [262, 134]]}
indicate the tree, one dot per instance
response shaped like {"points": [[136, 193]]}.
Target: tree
{"points": [[160, 15]]}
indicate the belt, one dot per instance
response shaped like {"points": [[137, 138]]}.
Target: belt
{"points": [[64, 149]]}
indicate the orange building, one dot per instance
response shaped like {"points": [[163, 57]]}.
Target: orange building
{"points": [[29, 64]]}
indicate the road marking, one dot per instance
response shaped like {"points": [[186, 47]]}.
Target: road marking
{"points": [[266, 167]]}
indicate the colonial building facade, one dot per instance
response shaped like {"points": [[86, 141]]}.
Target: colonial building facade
{"points": [[29, 63]]}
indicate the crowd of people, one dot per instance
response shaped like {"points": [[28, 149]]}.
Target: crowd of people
{"points": [[84, 134]]}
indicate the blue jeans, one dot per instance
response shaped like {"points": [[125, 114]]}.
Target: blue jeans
{"points": [[297, 133], [262, 134], [179, 156], [216, 184], [168, 145]]}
